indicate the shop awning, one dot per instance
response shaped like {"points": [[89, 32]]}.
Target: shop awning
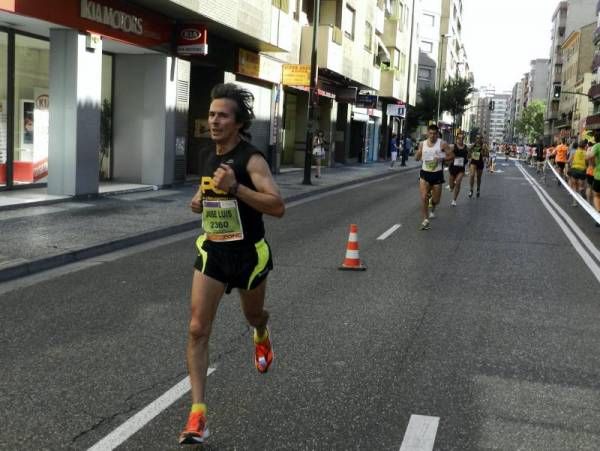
{"points": [[382, 51]]}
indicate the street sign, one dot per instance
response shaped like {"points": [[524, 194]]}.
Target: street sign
{"points": [[396, 110]]}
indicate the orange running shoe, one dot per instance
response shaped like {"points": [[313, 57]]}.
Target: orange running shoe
{"points": [[263, 353], [196, 430]]}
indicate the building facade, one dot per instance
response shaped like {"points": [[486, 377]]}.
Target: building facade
{"points": [[574, 106], [128, 104]]}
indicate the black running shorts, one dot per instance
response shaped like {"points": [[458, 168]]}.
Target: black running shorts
{"points": [[244, 267], [455, 170], [433, 178], [590, 179], [561, 164], [576, 174], [478, 164]]}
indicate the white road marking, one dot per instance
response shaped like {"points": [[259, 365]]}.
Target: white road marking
{"points": [[144, 416], [580, 234], [420, 433], [587, 258], [388, 232], [580, 200]]}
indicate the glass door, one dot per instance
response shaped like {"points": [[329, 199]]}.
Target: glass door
{"points": [[3, 109], [31, 111]]}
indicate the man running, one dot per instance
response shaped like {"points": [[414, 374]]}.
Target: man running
{"points": [[477, 156], [560, 157], [457, 166], [236, 188], [433, 151], [594, 159]]}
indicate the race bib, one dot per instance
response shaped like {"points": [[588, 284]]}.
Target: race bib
{"points": [[431, 165], [475, 155], [459, 161], [221, 220]]}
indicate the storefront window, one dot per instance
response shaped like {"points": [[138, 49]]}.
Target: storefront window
{"points": [[31, 110], [106, 118], [3, 110]]}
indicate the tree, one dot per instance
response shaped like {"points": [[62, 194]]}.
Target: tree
{"points": [[424, 110], [455, 96], [531, 123]]}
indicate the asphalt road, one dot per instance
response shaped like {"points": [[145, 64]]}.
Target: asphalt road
{"points": [[489, 321]]}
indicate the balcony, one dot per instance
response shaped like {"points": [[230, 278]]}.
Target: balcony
{"points": [[596, 61], [390, 85], [592, 122], [340, 54], [596, 36], [594, 92]]}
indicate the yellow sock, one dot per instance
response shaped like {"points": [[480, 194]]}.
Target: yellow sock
{"points": [[199, 407], [260, 338]]}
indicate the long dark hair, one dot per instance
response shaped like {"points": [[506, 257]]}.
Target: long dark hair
{"points": [[244, 100]]}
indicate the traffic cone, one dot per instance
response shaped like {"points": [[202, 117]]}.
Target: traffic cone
{"points": [[352, 260]]}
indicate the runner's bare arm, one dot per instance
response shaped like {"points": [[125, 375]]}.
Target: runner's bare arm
{"points": [[196, 203], [265, 199], [449, 150], [419, 152]]}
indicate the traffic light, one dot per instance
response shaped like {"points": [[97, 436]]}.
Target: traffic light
{"points": [[491, 105], [556, 92]]}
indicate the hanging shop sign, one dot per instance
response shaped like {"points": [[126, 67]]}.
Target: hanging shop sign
{"points": [[396, 110], [366, 101], [296, 74], [346, 94], [252, 64], [192, 40]]}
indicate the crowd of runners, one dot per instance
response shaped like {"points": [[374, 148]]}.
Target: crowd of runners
{"points": [[578, 164], [460, 159]]}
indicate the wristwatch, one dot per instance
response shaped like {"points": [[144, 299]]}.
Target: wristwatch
{"points": [[233, 189]]}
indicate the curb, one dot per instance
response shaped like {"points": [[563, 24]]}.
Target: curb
{"points": [[28, 268]]}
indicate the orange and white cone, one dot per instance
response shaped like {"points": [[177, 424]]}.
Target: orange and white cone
{"points": [[352, 260]]}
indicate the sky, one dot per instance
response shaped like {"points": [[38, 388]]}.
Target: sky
{"points": [[501, 37]]}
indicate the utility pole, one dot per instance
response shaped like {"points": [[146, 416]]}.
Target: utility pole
{"points": [[410, 48], [441, 58], [311, 96]]}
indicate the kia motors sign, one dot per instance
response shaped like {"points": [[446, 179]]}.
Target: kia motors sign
{"points": [[191, 40]]}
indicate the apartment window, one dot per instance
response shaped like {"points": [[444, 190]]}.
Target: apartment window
{"points": [[368, 36], [429, 19], [348, 22], [427, 46], [425, 73], [282, 5]]}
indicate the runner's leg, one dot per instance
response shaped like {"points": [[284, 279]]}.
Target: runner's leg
{"points": [[206, 294], [253, 302], [457, 183], [424, 189], [436, 195]]}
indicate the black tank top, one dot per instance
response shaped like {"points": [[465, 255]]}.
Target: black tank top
{"points": [[237, 158], [460, 153]]}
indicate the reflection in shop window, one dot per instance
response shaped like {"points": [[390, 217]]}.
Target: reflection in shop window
{"points": [[31, 125]]}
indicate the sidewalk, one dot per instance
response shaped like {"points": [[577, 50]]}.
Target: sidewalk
{"points": [[40, 237]]}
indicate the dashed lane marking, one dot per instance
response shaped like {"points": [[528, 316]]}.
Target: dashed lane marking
{"points": [[420, 433], [389, 231]]}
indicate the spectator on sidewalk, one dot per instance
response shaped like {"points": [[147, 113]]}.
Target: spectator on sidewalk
{"points": [[406, 150], [393, 149], [319, 147]]}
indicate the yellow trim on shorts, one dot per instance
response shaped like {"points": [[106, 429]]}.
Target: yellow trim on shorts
{"points": [[262, 250], [199, 242]]}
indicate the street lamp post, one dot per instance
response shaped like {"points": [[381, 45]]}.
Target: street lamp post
{"points": [[440, 60], [311, 97]]}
